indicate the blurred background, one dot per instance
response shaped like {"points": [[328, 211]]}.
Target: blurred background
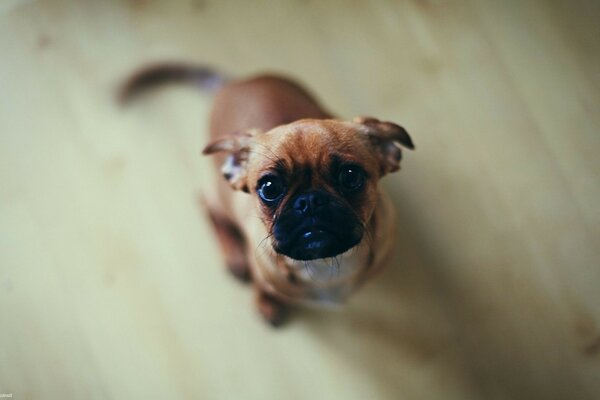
{"points": [[111, 285]]}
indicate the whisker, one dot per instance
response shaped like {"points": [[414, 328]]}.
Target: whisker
{"points": [[309, 270], [331, 268], [262, 245]]}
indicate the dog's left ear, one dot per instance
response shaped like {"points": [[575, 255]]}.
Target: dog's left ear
{"points": [[387, 138], [237, 147]]}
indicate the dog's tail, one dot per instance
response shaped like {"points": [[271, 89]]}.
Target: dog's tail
{"points": [[160, 74]]}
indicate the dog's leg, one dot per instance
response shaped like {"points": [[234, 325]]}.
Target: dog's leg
{"points": [[233, 244], [273, 310]]}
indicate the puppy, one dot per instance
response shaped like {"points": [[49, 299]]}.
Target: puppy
{"points": [[299, 211]]}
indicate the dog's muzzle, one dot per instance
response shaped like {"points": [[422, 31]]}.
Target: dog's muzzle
{"points": [[315, 225]]}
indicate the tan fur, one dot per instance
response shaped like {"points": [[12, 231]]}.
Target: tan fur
{"points": [[310, 142], [270, 122]]}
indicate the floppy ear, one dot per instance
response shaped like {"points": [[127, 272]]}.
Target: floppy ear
{"points": [[237, 147], [387, 138]]}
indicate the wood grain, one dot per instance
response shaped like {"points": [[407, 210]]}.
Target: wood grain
{"points": [[110, 284]]}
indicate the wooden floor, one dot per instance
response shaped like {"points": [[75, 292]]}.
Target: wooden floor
{"points": [[110, 283]]}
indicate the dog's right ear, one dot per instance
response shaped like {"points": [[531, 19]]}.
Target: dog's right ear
{"points": [[386, 137], [237, 147]]}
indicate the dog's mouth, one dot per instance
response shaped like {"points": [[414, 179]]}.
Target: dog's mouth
{"points": [[314, 243], [316, 225], [318, 241]]}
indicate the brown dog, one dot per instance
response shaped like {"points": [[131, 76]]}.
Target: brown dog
{"points": [[324, 226]]}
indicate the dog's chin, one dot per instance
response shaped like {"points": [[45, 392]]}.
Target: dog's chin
{"points": [[317, 243]]}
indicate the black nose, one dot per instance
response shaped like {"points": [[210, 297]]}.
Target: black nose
{"points": [[310, 202]]}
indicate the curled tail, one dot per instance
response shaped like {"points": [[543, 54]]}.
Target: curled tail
{"points": [[157, 75]]}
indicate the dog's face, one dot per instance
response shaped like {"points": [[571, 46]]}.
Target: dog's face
{"points": [[314, 181]]}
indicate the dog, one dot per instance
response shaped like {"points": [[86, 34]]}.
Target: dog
{"points": [[324, 225]]}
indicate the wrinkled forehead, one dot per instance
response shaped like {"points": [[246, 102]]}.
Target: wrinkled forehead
{"points": [[312, 143]]}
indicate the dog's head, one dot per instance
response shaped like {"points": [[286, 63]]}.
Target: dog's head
{"points": [[314, 181]]}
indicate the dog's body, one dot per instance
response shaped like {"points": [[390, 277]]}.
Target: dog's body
{"points": [[315, 225]]}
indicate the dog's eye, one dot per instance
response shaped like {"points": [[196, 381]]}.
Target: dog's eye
{"points": [[351, 178], [270, 188]]}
